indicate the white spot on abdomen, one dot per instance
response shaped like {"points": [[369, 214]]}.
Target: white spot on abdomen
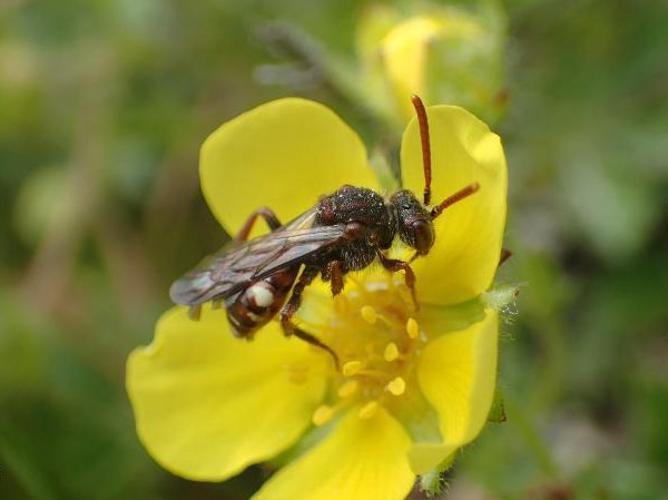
{"points": [[253, 317], [261, 295]]}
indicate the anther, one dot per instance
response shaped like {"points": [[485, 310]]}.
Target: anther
{"points": [[369, 314], [391, 352], [368, 410], [322, 415], [348, 388], [397, 386], [352, 368], [412, 328]]}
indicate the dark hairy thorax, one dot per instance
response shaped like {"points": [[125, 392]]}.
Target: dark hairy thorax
{"points": [[363, 209]]}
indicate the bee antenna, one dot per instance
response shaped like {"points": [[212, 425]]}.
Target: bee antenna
{"points": [[426, 147], [454, 198]]}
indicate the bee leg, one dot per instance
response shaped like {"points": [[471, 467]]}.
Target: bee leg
{"points": [[505, 255], [291, 307], [334, 271], [195, 312], [267, 214], [394, 265], [313, 340]]}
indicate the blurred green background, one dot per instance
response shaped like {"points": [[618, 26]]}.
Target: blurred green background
{"points": [[103, 106]]}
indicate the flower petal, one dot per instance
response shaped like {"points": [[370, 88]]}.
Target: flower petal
{"points": [[405, 51], [283, 154], [468, 234], [457, 374], [207, 404], [361, 459]]}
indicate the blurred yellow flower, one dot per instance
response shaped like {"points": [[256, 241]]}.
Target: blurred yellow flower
{"points": [[444, 54], [415, 385]]}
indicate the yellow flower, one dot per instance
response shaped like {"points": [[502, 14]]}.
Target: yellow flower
{"points": [[415, 385], [444, 54]]}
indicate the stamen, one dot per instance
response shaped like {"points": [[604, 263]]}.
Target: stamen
{"points": [[391, 352], [368, 410], [352, 368], [397, 386], [348, 388], [376, 334], [322, 415], [412, 328], [369, 315]]}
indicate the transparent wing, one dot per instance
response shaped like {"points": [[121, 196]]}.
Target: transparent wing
{"points": [[238, 265]]}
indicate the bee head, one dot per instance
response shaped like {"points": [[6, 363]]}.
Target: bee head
{"points": [[414, 221]]}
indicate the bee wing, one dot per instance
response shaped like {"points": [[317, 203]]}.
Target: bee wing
{"points": [[235, 267], [297, 246], [198, 285]]}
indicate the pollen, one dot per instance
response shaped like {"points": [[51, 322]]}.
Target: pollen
{"points": [[397, 386], [412, 328], [391, 352], [368, 410], [369, 314], [348, 388], [322, 415], [352, 368], [376, 335]]}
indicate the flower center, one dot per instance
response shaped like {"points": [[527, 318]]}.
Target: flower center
{"points": [[371, 325]]}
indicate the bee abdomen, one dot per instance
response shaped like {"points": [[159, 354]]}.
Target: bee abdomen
{"points": [[260, 302]]}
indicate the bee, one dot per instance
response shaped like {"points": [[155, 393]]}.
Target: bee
{"points": [[345, 231]]}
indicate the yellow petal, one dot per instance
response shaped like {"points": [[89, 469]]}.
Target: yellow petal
{"points": [[405, 53], [207, 404], [447, 55], [284, 155], [468, 234], [425, 457], [457, 375], [361, 459]]}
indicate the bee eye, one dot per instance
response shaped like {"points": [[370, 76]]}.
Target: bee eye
{"points": [[423, 233]]}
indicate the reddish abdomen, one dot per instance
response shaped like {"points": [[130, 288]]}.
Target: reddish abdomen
{"points": [[260, 302]]}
